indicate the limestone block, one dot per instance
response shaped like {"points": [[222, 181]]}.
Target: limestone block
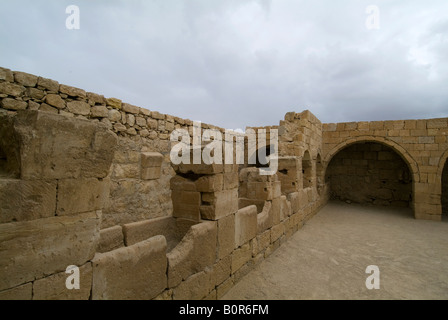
{"points": [[54, 288], [277, 231], [81, 195], [23, 292], [224, 287], [157, 115], [130, 108], [55, 100], [226, 236], [210, 183], [11, 89], [194, 253], [263, 191], [6, 74], [47, 108], [230, 180], [245, 225], [57, 242], [72, 91], [219, 204], [114, 103], [263, 240], [222, 270], [110, 239], [180, 183], [151, 159], [48, 84], [96, 98], [240, 257], [13, 104], [141, 230], [293, 198], [265, 218], [78, 107], [137, 272], [196, 287], [285, 208], [25, 79], [276, 210], [56, 147], [244, 202], [99, 112], [140, 121], [114, 115], [200, 168], [22, 200], [128, 170]]}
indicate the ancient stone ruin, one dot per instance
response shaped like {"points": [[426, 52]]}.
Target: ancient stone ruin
{"points": [[87, 182]]}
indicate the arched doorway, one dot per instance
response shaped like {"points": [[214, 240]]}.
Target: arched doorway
{"points": [[369, 172]]}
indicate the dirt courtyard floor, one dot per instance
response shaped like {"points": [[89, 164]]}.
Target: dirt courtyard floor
{"points": [[327, 258]]}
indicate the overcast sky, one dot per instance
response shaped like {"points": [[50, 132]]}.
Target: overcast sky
{"points": [[238, 63]]}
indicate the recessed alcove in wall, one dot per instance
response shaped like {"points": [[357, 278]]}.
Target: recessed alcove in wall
{"points": [[307, 169]]}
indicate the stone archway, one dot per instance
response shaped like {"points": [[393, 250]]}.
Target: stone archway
{"points": [[442, 173], [371, 171]]}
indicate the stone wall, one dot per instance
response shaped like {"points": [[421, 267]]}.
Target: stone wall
{"points": [[87, 181], [370, 173], [422, 144], [445, 189]]}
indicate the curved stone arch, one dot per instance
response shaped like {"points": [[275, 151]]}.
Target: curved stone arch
{"points": [[439, 187], [412, 164]]}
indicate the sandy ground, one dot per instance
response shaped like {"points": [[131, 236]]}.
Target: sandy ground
{"points": [[327, 258]]}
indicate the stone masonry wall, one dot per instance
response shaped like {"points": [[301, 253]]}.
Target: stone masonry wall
{"points": [[87, 181], [370, 173], [422, 144]]}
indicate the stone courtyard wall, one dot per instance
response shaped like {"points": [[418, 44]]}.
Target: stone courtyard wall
{"points": [[87, 181]]}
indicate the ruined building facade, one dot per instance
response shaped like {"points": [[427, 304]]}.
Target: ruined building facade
{"points": [[87, 182]]}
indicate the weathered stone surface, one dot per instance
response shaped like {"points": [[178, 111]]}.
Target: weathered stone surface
{"points": [[57, 147], [277, 231], [81, 195], [196, 251], [54, 286], [48, 84], [110, 239], [245, 225], [96, 98], [196, 287], [55, 100], [47, 108], [114, 103], [99, 112], [130, 108], [6, 74], [219, 204], [35, 93], [240, 257], [222, 270], [34, 249], [114, 115], [157, 115], [22, 200], [264, 218], [78, 107], [210, 183], [293, 198], [137, 272], [11, 89], [23, 292], [141, 230], [72, 91], [226, 236], [25, 79], [224, 287], [13, 104], [180, 183]]}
